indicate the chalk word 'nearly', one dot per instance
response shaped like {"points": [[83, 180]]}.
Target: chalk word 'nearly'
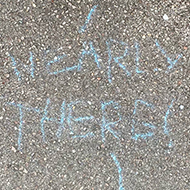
{"points": [[67, 119], [90, 51]]}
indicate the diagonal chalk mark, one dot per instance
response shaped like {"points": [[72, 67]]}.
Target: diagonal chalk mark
{"points": [[169, 60], [83, 28]]}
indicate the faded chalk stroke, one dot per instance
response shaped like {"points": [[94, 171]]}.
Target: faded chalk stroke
{"points": [[15, 65], [44, 118], [137, 59], [106, 125], [171, 144], [75, 67], [135, 136], [116, 59], [83, 28], [56, 60], [166, 119], [32, 64], [21, 108], [141, 102], [119, 171], [20, 128], [166, 130], [169, 60], [62, 122]]}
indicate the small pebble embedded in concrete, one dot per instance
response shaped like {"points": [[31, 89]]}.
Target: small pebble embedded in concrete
{"points": [[165, 17]]}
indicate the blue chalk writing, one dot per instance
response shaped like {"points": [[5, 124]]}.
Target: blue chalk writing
{"points": [[166, 118], [83, 28], [21, 108], [166, 131], [169, 60], [141, 102], [137, 59], [24, 107], [135, 136], [109, 62], [69, 117], [62, 124], [20, 128], [119, 171], [17, 72], [44, 118], [32, 64], [105, 124], [88, 50], [170, 144], [116, 59], [58, 59], [79, 119]]}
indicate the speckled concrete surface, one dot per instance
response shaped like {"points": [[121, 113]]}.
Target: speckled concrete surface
{"points": [[44, 146]]}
